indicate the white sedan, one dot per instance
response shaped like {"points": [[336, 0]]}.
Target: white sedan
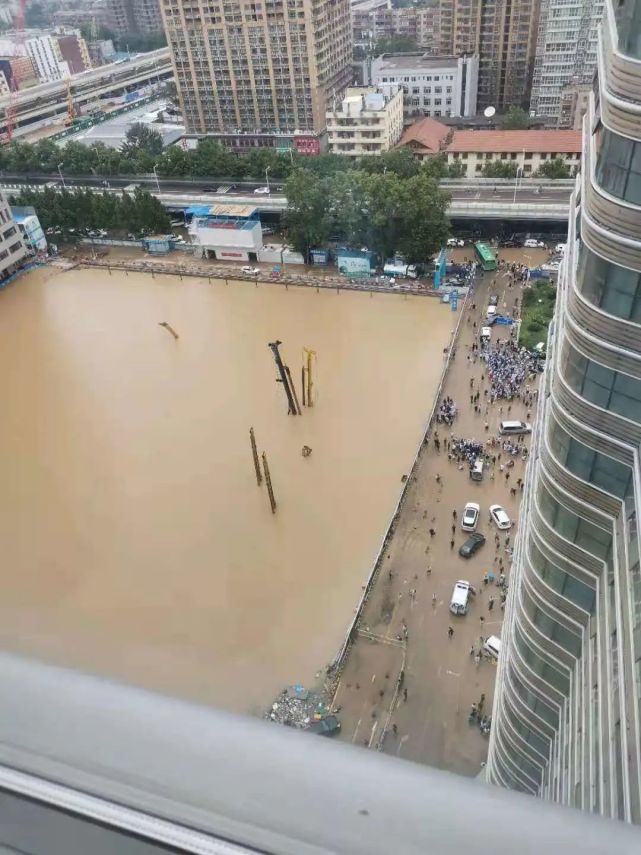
{"points": [[499, 517], [250, 271], [471, 513], [262, 191]]}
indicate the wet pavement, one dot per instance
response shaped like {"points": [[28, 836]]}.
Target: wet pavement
{"points": [[422, 715]]}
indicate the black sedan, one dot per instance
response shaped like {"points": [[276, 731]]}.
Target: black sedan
{"points": [[474, 542]]}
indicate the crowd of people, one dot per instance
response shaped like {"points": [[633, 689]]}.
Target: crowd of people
{"points": [[446, 412], [465, 450], [508, 366]]}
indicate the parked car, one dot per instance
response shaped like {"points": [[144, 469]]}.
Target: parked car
{"points": [[492, 646], [500, 517], [514, 427], [470, 517], [474, 542], [460, 601], [250, 271], [455, 242], [532, 243], [262, 191]]}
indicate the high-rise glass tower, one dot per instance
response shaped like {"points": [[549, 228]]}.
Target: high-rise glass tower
{"points": [[566, 722]]}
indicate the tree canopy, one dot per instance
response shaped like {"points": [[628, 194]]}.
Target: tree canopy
{"points": [[387, 212], [499, 169], [555, 168], [142, 138], [142, 150], [83, 209], [516, 119], [394, 44]]}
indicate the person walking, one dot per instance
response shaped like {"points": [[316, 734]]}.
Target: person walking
{"points": [[450, 631], [490, 604], [405, 694], [433, 599], [452, 543], [432, 532]]}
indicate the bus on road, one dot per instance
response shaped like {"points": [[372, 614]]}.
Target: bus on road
{"points": [[485, 256]]}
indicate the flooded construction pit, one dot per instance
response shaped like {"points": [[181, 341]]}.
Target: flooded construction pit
{"points": [[135, 539]]}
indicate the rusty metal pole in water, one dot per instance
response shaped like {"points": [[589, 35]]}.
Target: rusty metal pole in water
{"points": [[268, 481], [291, 383], [259, 477]]}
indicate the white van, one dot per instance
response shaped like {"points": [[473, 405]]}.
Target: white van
{"points": [[531, 243], [512, 427], [490, 312], [460, 598], [492, 646], [485, 334], [476, 472]]}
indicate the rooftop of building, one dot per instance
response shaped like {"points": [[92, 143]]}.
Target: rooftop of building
{"points": [[427, 133], [418, 59], [368, 99], [515, 141]]}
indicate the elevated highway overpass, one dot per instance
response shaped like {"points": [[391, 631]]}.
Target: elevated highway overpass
{"points": [[480, 199], [47, 103]]}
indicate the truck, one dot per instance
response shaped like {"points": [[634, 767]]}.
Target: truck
{"points": [[398, 269]]}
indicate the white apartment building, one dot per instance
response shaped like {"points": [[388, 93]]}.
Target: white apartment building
{"points": [[527, 150], [566, 53], [12, 247], [47, 60], [368, 122], [432, 85]]}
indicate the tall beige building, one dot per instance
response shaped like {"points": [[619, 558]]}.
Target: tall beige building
{"points": [[259, 67], [503, 33]]}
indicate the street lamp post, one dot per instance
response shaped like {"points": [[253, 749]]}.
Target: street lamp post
{"points": [[62, 178], [156, 175], [267, 178], [519, 169]]}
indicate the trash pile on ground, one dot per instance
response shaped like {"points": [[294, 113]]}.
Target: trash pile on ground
{"points": [[298, 707]]}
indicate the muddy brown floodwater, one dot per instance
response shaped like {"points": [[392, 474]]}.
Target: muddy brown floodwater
{"points": [[135, 540]]}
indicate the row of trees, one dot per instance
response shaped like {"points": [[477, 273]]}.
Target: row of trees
{"points": [[551, 169], [143, 149], [388, 213], [82, 209]]}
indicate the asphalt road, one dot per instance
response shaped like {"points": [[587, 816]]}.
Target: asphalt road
{"points": [[502, 193], [440, 676]]}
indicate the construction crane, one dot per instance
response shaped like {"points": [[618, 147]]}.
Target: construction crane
{"points": [[71, 107], [10, 112]]}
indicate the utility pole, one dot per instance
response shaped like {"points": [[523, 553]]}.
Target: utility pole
{"points": [[302, 382], [252, 438], [309, 358], [291, 403], [268, 481]]}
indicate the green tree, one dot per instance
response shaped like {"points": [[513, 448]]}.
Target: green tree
{"points": [[142, 138], [456, 169], [516, 119], [426, 226], [394, 44], [308, 214], [499, 169], [555, 168], [399, 161]]}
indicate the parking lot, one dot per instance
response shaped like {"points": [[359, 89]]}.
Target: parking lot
{"points": [[407, 626]]}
